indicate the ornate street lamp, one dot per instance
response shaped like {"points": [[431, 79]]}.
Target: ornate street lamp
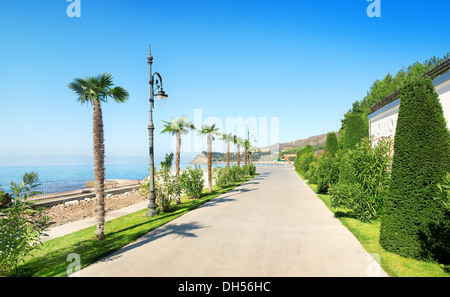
{"points": [[155, 84]]}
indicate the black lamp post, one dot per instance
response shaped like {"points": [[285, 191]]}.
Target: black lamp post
{"points": [[155, 83]]}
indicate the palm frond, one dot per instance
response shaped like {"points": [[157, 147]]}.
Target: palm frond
{"points": [[209, 129], [181, 124], [90, 89], [119, 94]]}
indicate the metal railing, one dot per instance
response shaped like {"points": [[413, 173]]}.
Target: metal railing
{"points": [[433, 73], [76, 185]]}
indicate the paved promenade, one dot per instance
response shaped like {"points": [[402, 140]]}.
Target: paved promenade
{"points": [[273, 225]]}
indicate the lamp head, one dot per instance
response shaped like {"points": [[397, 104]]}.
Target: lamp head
{"points": [[161, 95]]}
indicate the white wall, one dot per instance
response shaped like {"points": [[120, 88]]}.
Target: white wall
{"points": [[383, 124], [443, 90]]}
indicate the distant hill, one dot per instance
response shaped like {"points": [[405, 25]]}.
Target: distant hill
{"points": [[263, 154], [318, 141]]}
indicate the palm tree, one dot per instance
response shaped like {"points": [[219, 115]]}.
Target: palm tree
{"points": [[246, 146], [178, 126], [228, 138], [250, 149], [210, 131], [238, 141], [95, 90]]}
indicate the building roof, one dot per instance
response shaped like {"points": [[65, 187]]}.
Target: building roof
{"points": [[435, 74]]}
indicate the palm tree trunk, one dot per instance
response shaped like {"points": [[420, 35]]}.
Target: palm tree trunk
{"points": [[209, 163], [178, 135], [228, 156], [177, 171], [245, 157], [99, 169], [238, 155]]}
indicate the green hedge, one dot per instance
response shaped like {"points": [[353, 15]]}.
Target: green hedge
{"points": [[413, 209]]}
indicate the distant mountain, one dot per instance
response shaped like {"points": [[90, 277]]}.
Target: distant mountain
{"points": [[200, 159], [318, 140], [264, 153]]}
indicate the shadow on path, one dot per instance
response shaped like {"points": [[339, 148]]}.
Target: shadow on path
{"points": [[182, 230]]}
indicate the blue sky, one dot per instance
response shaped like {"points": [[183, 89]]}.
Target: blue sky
{"points": [[302, 62]]}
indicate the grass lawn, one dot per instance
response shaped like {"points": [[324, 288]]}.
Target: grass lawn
{"points": [[369, 233], [52, 258]]}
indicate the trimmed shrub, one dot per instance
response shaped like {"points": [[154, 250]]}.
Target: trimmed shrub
{"points": [[331, 143], [304, 163], [357, 128], [421, 160]]}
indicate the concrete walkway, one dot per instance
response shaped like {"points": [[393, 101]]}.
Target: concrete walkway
{"points": [[92, 221], [273, 225]]}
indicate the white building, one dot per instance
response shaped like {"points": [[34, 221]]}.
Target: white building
{"points": [[383, 119]]}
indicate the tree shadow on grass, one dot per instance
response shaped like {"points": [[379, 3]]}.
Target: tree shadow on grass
{"points": [[344, 214]]}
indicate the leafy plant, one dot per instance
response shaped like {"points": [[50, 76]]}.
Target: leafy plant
{"points": [[353, 197], [168, 161], [251, 169], [222, 177], [21, 225], [236, 173], [367, 179], [167, 189], [327, 171], [192, 182]]}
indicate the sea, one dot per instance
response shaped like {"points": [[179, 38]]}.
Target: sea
{"points": [[75, 176], [53, 178]]}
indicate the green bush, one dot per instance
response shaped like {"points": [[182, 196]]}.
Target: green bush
{"points": [[22, 226], [167, 189], [222, 177], [367, 169], [421, 160], [307, 149], [304, 162], [168, 160], [251, 169], [192, 182], [236, 173], [355, 198], [327, 172], [312, 172]]}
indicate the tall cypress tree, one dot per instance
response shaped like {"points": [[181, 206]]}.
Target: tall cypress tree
{"points": [[357, 128], [421, 160], [331, 143]]}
